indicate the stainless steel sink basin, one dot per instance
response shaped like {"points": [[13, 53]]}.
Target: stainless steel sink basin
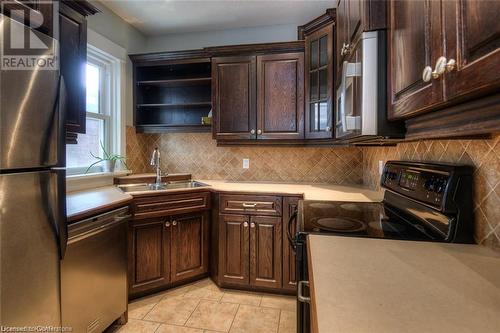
{"points": [[161, 187]]}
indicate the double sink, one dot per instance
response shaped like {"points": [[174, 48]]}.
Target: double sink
{"points": [[173, 185]]}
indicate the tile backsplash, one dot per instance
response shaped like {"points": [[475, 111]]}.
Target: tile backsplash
{"points": [[484, 155], [198, 154]]}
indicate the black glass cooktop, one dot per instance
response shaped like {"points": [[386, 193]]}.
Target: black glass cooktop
{"points": [[360, 219]]}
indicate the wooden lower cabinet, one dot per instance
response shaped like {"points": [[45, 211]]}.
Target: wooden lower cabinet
{"points": [[234, 249], [265, 251], [189, 245], [149, 254], [166, 250]]}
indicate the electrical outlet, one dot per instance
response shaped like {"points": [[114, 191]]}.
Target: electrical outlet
{"points": [[246, 163], [380, 167]]}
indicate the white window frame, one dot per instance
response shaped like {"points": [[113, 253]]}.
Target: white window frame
{"points": [[109, 105]]}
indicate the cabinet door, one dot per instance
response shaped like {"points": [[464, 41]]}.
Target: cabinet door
{"points": [[355, 12], [289, 277], [73, 53], [189, 250], [149, 253], [280, 96], [234, 249], [234, 98], [319, 83], [265, 251], [415, 41], [472, 30]]}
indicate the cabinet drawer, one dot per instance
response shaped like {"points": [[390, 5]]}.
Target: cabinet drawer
{"points": [[250, 204], [170, 204]]}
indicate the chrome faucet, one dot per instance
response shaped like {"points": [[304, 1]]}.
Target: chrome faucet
{"points": [[155, 161]]}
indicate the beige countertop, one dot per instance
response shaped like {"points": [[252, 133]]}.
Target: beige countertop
{"points": [[376, 285], [310, 191], [83, 204]]}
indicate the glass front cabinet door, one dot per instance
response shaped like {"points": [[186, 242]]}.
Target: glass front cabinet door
{"points": [[319, 83]]}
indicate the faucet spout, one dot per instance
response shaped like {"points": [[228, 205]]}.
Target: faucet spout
{"points": [[155, 161]]}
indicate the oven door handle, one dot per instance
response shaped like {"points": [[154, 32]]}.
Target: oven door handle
{"points": [[301, 298], [292, 218]]}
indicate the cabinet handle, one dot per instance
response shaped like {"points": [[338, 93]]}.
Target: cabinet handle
{"points": [[249, 205], [427, 74], [167, 224], [252, 225], [174, 222], [245, 224], [328, 129], [300, 297], [252, 131], [259, 132], [343, 50]]}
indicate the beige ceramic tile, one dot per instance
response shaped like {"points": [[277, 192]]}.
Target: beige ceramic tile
{"points": [[177, 329], [211, 315], [138, 326], [241, 297], [204, 289], [175, 310], [254, 319], [287, 303], [137, 309], [288, 322]]}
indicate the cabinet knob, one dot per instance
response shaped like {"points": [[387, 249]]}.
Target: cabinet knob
{"points": [[245, 224], [252, 225], [167, 224], [252, 131], [451, 65], [259, 132], [440, 68], [427, 74], [174, 222], [328, 129]]}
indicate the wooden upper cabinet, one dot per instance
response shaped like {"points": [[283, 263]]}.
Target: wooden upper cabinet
{"points": [[415, 42], [234, 249], [189, 245], [472, 30], [319, 39], [265, 251], [234, 97], [149, 253], [280, 96]]}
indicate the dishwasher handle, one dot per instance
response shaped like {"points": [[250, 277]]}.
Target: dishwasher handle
{"points": [[300, 297], [96, 225]]}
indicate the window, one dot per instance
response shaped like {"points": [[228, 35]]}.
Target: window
{"points": [[103, 116]]}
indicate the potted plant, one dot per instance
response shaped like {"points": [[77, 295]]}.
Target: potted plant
{"points": [[108, 159]]}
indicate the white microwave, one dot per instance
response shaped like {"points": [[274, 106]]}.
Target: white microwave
{"points": [[361, 99]]}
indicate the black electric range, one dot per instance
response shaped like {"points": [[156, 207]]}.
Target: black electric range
{"points": [[422, 202]]}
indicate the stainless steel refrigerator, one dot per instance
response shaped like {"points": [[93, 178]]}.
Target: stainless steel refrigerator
{"points": [[32, 192]]}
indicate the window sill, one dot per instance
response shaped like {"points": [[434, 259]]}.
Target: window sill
{"points": [[92, 180]]}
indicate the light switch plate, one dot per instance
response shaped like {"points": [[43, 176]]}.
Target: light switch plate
{"points": [[246, 163]]}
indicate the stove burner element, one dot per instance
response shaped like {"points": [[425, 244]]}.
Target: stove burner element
{"points": [[340, 224], [351, 207]]}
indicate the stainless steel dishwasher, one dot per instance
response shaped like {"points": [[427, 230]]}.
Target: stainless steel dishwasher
{"points": [[94, 272]]}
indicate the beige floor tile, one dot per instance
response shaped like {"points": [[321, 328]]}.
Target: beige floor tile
{"points": [[175, 310], [138, 326], [288, 322], [137, 309], [177, 329], [287, 303], [179, 291], [254, 319], [241, 297], [205, 289], [211, 315]]}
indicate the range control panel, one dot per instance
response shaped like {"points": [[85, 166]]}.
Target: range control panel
{"points": [[418, 181]]}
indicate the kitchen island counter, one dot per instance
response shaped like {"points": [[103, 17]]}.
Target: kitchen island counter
{"points": [[379, 285]]}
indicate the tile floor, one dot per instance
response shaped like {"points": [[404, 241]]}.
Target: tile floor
{"points": [[202, 307]]}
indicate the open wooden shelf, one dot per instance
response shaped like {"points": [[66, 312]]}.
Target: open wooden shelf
{"points": [[176, 82], [174, 105], [165, 128]]}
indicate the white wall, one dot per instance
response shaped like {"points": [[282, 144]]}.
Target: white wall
{"points": [[197, 40], [111, 26]]}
